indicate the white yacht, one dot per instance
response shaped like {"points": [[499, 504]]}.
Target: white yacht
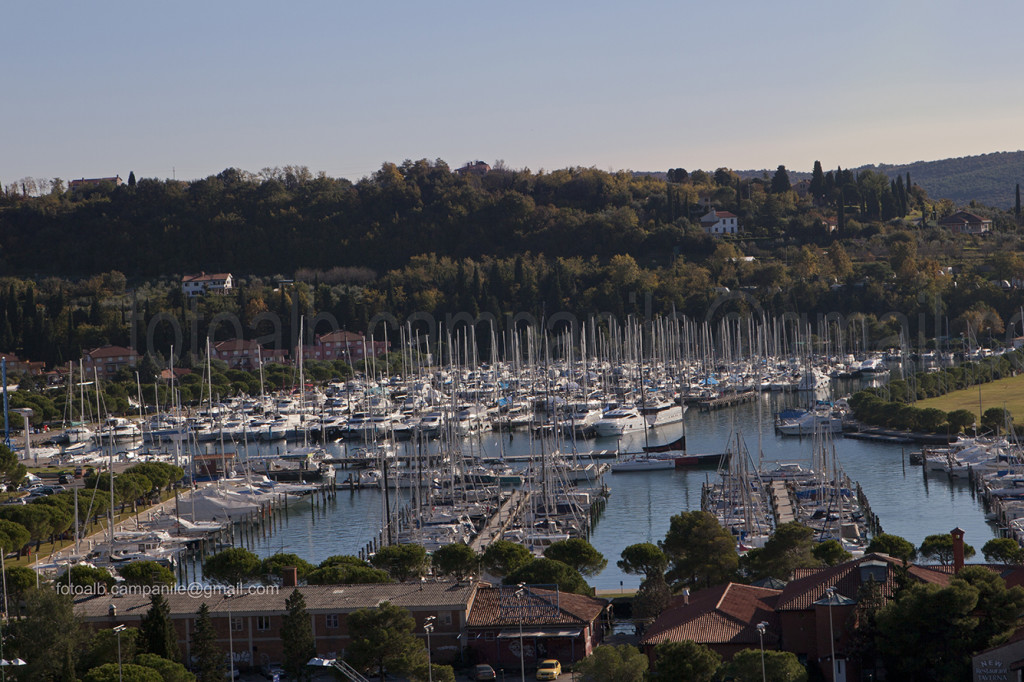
{"points": [[619, 421]]}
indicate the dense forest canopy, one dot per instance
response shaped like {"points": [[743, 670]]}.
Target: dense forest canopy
{"points": [[98, 264]]}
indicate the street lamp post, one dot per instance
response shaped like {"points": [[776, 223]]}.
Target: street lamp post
{"points": [[428, 627], [831, 592], [760, 631], [522, 656], [118, 629]]}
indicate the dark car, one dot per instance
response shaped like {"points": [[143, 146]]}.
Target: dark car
{"points": [[483, 672]]}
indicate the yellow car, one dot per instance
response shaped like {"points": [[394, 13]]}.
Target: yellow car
{"points": [[549, 670]]}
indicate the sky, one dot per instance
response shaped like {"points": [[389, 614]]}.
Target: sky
{"points": [[186, 89]]}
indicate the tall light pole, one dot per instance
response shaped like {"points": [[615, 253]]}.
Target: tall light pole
{"points": [[118, 629], [522, 656], [831, 592], [428, 627], [760, 631]]}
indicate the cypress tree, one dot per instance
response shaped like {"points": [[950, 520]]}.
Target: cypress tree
{"points": [[297, 637], [156, 631], [207, 653], [817, 186]]}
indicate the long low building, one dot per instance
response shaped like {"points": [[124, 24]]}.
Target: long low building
{"points": [[472, 621]]}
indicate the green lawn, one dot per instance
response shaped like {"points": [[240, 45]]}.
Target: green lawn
{"points": [[1007, 393]]}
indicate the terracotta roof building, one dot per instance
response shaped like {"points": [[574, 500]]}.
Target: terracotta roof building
{"points": [[811, 616], [964, 222], [548, 623], [343, 345], [197, 285], [108, 360]]}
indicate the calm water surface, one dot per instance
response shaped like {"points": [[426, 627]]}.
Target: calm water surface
{"points": [[908, 503]]}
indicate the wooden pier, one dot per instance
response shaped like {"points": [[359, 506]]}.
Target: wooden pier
{"points": [[509, 512]]}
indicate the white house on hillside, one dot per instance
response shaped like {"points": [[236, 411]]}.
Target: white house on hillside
{"points": [[196, 285], [720, 222]]}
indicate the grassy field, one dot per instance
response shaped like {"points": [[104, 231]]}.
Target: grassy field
{"points": [[1007, 393]]}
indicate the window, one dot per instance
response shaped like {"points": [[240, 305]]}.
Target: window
{"points": [[489, 636], [236, 624], [446, 618], [332, 621], [262, 622]]}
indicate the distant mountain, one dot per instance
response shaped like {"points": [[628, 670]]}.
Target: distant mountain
{"points": [[989, 179]]}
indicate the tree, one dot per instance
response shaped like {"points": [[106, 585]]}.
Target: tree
{"points": [[959, 420], [232, 566], [12, 472], [653, 597], [788, 549], [546, 571], [1003, 551], [997, 420], [131, 179], [830, 553], [104, 647], [13, 536], [893, 545], [934, 623], [49, 636], [579, 554], [778, 665], [780, 181], [147, 573], [382, 638], [207, 654], [88, 576], [817, 186], [644, 558], [623, 663], [156, 630], [401, 561], [456, 560], [343, 574], [700, 551], [273, 566], [170, 671], [297, 637], [126, 672], [685, 662], [503, 557], [940, 548]]}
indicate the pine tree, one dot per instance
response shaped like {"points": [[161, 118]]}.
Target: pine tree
{"points": [[156, 632], [208, 656], [297, 637], [780, 181]]}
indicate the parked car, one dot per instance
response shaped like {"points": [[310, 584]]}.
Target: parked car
{"points": [[272, 672], [484, 672], [549, 670]]}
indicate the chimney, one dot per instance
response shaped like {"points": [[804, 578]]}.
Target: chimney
{"points": [[958, 549], [289, 576]]}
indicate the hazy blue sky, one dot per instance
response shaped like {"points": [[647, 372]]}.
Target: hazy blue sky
{"points": [[104, 88]]}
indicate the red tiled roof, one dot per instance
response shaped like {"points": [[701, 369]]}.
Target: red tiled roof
{"points": [[110, 352], [963, 218], [809, 584], [498, 607], [340, 335], [725, 214], [203, 277], [726, 613]]}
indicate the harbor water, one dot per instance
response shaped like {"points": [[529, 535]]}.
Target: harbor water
{"points": [[908, 502]]}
